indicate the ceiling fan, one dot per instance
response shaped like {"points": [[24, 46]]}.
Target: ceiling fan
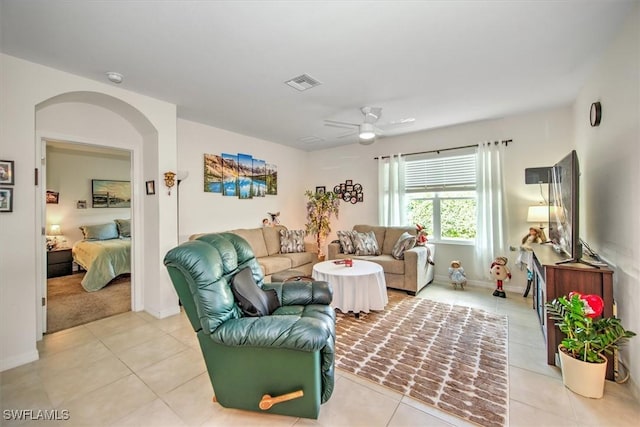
{"points": [[367, 131]]}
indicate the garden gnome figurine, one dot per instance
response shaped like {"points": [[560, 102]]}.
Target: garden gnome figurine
{"points": [[456, 274], [500, 272]]}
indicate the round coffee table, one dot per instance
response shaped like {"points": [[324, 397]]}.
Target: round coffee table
{"points": [[358, 288]]}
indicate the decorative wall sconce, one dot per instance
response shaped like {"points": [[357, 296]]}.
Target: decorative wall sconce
{"points": [[169, 180]]}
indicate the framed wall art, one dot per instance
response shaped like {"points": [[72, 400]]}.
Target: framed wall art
{"points": [[7, 172], [6, 199], [106, 193], [150, 187], [53, 197]]}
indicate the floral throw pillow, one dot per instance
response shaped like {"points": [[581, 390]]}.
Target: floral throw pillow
{"points": [[405, 242], [291, 241], [366, 244], [346, 241]]}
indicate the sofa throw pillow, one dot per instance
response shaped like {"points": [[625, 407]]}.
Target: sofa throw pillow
{"points": [[106, 231], [253, 300], [124, 227], [366, 244], [291, 241], [405, 242], [346, 241]]}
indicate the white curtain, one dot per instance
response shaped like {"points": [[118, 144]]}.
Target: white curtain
{"points": [[391, 200], [491, 210]]}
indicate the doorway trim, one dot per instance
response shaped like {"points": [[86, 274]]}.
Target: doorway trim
{"points": [[42, 138]]}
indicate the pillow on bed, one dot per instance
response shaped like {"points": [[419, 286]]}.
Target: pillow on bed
{"points": [[100, 231], [124, 227]]}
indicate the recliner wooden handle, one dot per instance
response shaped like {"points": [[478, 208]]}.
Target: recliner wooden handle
{"points": [[267, 401]]}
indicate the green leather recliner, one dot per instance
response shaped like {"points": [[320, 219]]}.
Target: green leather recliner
{"points": [[254, 359]]}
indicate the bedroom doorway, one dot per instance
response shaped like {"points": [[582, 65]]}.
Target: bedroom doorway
{"points": [[87, 216]]}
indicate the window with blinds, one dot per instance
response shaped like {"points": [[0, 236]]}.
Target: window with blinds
{"points": [[454, 173]]}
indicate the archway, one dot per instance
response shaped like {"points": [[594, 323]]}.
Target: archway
{"points": [[92, 118]]}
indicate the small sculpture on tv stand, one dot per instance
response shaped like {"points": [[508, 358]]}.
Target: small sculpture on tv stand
{"points": [[457, 275], [501, 273]]}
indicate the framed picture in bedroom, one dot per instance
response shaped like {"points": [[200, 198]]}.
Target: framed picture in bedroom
{"points": [[6, 172], [53, 197], [6, 199], [107, 193]]}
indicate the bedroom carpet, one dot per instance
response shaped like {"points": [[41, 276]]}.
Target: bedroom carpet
{"points": [[451, 357], [70, 305]]}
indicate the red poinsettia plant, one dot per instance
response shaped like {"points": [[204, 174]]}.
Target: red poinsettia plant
{"points": [[588, 336]]}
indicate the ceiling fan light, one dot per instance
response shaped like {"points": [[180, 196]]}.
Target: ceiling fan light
{"points": [[366, 131]]}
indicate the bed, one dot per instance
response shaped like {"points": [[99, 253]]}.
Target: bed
{"points": [[102, 255]]}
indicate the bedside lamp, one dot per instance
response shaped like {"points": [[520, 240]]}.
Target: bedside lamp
{"points": [[55, 231], [539, 214]]}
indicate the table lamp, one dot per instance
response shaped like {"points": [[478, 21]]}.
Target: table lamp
{"points": [[539, 214]]}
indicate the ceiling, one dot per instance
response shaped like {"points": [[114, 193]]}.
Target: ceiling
{"points": [[224, 63]]}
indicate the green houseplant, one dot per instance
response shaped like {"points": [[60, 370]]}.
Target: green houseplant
{"points": [[320, 207], [588, 337]]}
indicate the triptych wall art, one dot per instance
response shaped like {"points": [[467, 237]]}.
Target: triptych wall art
{"points": [[239, 175]]}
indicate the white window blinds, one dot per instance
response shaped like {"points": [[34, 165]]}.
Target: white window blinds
{"points": [[453, 173]]}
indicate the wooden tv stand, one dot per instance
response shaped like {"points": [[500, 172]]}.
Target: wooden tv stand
{"points": [[551, 281]]}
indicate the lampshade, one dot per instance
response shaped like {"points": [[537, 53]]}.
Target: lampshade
{"points": [[367, 131], [54, 230], [538, 213]]}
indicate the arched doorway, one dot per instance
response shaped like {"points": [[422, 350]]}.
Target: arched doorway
{"points": [[103, 120]]}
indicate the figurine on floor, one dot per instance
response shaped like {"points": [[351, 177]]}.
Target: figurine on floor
{"points": [[500, 272], [457, 275]]}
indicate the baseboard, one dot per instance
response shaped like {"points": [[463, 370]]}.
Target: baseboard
{"points": [[18, 360], [164, 313], [485, 284]]}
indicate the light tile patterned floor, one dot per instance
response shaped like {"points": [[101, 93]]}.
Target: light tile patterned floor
{"points": [[134, 370]]}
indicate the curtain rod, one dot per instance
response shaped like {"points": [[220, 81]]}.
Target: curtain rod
{"points": [[505, 142]]}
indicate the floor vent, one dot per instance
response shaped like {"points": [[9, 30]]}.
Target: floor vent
{"points": [[303, 82]]}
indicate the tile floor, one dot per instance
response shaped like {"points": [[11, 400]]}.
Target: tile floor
{"points": [[135, 370]]}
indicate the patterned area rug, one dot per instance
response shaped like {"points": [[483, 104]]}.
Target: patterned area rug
{"points": [[451, 357]]}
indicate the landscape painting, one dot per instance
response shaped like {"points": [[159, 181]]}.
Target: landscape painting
{"points": [[259, 182], [272, 179], [229, 174], [110, 194], [245, 174], [212, 173]]}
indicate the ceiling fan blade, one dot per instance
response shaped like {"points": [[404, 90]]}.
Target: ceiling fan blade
{"points": [[339, 126], [378, 131], [336, 123], [398, 123], [344, 135]]}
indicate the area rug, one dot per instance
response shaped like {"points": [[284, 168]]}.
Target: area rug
{"points": [[451, 357], [69, 305]]}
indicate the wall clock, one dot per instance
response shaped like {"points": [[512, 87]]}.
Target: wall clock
{"points": [[595, 114]]}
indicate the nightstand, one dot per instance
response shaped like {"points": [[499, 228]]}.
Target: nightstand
{"points": [[59, 262]]}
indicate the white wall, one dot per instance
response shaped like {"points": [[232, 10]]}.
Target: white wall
{"points": [[610, 163], [539, 139], [209, 212], [27, 87], [69, 172]]}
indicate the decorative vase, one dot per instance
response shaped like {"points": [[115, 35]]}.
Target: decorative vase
{"points": [[583, 378]]}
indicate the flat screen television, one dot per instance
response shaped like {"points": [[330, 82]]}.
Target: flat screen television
{"points": [[564, 209]]}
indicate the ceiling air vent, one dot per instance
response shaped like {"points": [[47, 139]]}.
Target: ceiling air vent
{"points": [[303, 82]]}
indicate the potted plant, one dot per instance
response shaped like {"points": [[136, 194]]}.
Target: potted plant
{"points": [[320, 207], [588, 338]]}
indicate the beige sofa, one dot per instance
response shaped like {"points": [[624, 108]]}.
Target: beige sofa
{"points": [[410, 274], [265, 242]]}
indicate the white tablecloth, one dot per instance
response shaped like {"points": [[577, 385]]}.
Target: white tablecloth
{"points": [[358, 288]]}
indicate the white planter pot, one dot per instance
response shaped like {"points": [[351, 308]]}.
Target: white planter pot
{"points": [[586, 379]]}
